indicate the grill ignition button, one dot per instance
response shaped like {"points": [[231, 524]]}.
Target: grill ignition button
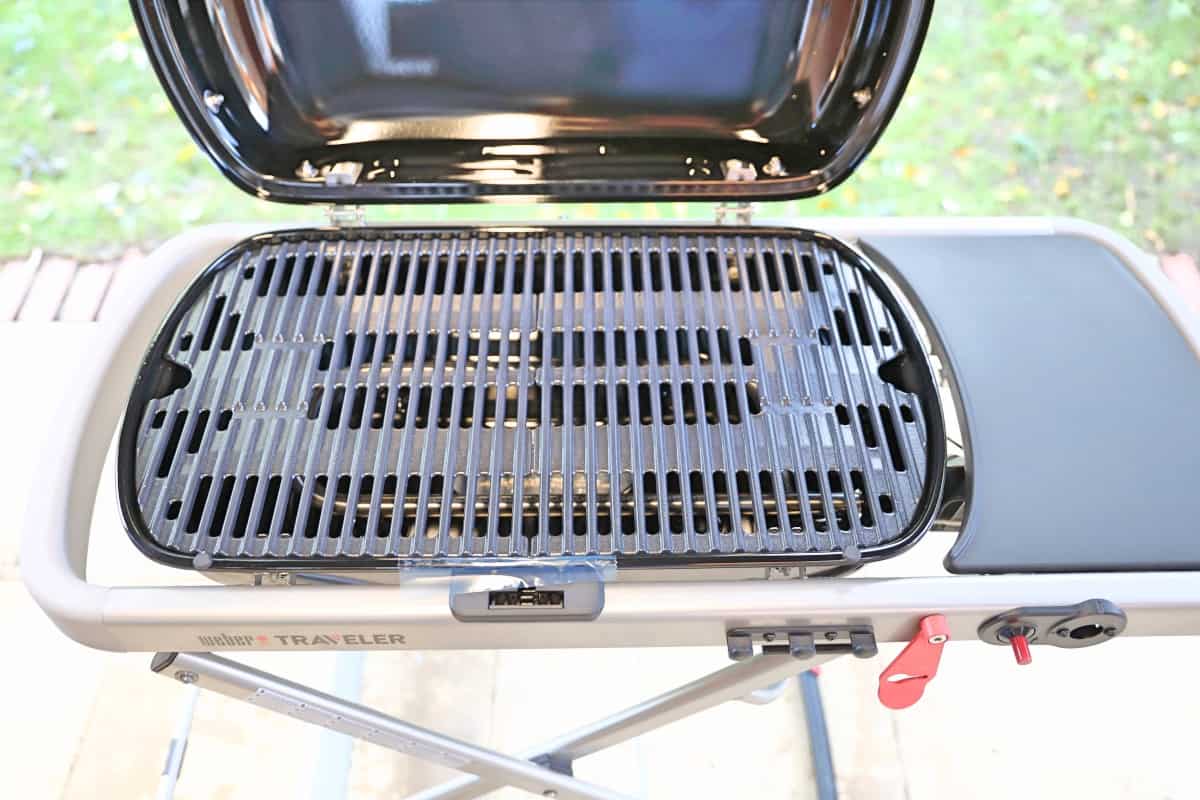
{"points": [[1018, 639], [1081, 625]]}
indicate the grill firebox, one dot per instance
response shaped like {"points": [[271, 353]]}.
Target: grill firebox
{"points": [[682, 396]]}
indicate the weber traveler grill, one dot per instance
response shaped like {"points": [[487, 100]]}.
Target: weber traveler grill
{"points": [[368, 397], [527, 434]]}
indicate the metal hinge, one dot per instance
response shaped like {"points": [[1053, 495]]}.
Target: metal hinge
{"points": [[345, 173], [276, 578], [346, 216], [742, 212]]}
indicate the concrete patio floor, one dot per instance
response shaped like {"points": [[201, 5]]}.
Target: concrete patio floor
{"points": [[1111, 722]]}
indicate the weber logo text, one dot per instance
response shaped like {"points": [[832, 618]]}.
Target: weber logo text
{"points": [[298, 640]]}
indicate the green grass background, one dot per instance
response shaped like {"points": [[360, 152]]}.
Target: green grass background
{"points": [[1077, 107]]}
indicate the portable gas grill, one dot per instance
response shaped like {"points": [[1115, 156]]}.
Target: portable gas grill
{"points": [[587, 435]]}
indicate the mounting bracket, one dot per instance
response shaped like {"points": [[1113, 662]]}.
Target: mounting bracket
{"points": [[802, 641]]}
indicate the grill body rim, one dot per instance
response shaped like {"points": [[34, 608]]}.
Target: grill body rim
{"points": [[911, 332]]}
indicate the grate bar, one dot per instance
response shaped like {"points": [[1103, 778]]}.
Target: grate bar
{"points": [[611, 378], [771, 485], [728, 450], [375, 516], [866, 387], [740, 397], [590, 464], [519, 456], [699, 541], [802, 394], [755, 264], [521, 440], [424, 394], [467, 543]]}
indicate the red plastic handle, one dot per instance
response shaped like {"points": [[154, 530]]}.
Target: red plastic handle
{"points": [[1020, 646], [903, 682]]}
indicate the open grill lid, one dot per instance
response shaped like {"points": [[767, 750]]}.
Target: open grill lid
{"points": [[403, 101]]}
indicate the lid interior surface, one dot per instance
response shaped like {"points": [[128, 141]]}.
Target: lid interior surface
{"points": [[377, 101]]}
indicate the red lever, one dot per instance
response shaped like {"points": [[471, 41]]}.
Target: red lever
{"points": [[1020, 646], [903, 682]]}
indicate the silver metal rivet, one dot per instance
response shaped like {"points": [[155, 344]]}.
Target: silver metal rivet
{"points": [[186, 676], [938, 638], [213, 100]]}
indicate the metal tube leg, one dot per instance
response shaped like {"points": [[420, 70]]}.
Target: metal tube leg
{"points": [[818, 736], [767, 694], [331, 768], [259, 688], [178, 747], [731, 683]]}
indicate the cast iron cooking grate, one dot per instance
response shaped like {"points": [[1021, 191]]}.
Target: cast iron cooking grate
{"points": [[388, 394]]}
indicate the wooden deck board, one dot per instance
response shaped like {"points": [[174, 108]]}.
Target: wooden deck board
{"points": [[48, 291], [15, 279], [87, 292], [126, 275]]}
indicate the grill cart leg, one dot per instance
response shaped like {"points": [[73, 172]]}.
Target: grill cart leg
{"points": [[178, 746], [207, 671], [543, 770], [818, 736], [741, 680]]}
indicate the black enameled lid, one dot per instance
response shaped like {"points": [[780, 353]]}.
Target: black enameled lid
{"points": [[405, 101]]}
